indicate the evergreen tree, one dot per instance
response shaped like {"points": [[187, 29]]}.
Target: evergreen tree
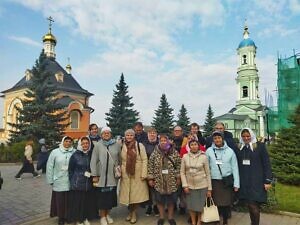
{"points": [[209, 122], [183, 120], [121, 115], [40, 115], [163, 119], [284, 152]]}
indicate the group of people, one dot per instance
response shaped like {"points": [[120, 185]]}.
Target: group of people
{"points": [[157, 171]]}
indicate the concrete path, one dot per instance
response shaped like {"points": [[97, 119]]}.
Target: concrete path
{"points": [[28, 201]]}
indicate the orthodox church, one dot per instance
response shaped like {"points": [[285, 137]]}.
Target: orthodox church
{"points": [[248, 112], [70, 94]]}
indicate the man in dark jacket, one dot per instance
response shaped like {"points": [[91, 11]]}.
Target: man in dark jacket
{"points": [[177, 138], [195, 130], [219, 126], [140, 135]]}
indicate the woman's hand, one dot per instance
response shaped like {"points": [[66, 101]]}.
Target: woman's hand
{"points": [[268, 186], [186, 190], [95, 179], [151, 183], [208, 194], [236, 189]]}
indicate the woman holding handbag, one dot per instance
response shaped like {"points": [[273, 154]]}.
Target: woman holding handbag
{"points": [[255, 173], [224, 174], [196, 181], [105, 158]]}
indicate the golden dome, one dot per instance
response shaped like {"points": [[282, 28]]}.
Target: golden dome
{"points": [[49, 37]]}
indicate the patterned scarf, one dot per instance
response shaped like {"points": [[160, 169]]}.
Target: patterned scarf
{"points": [[131, 157]]}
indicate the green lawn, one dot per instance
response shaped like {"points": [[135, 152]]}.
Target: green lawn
{"points": [[288, 197]]}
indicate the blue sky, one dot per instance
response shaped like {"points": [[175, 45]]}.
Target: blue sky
{"points": [[185, 49]]}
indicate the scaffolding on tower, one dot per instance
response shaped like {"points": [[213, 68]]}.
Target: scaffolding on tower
{"points": [[288, 84]]}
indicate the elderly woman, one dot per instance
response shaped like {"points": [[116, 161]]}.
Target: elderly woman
{"points": [[196, 181], [133, 186], [224, 173], [255, 173], [81, 189], [58, 176], [164, 176], [105, 158]]}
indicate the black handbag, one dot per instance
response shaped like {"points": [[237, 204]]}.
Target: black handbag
{"points": [[1, 181], [228, 180]]}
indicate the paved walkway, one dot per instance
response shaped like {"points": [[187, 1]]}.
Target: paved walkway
{"points": [[28, 201]]}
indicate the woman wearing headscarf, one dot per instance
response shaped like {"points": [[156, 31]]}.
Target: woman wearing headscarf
{"points": [[255, 173], [105, 158], [81, 189], [196, 181], [222, 164], [164, 177], [133, 185], [58, 176], [27, 166]]}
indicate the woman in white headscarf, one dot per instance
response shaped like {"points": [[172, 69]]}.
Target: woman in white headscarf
{"points": [[58, 176], [255, 173]]}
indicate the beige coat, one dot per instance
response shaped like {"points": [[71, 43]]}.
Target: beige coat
{"points": [[134, 189], [195, 172]]}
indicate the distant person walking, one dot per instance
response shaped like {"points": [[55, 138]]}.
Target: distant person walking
{"points": [[42, 156], [27, 166], [58, 177], [255, 173]]}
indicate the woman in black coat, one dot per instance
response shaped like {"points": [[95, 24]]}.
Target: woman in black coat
{"points": [[82, 196], [255, 173]]}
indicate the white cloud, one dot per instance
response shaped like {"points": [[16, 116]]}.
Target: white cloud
{"points": [[26, 40], [277, 30], [294, 6]]}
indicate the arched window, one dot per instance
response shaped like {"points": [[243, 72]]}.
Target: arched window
{"points": [[244, 59], [74, 120], [245, 91]]}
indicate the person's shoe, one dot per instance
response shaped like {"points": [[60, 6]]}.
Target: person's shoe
{"points": [[61, 221], [128, 218], [160, 222], [86, 222], [181, 210], [155, 210], [172, 222], [109, 219], [103, 221], [36, 175], [18, 177], [149, 210], [133, 218]]}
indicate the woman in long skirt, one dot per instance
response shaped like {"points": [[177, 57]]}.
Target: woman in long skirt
{"points": [[82, 196], [58, 177]]}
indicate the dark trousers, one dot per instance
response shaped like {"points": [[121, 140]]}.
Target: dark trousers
{"points": [[27, 167], [224, 212]]}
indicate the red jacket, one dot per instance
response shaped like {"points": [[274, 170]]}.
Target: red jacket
{"points": [[185, 150]]}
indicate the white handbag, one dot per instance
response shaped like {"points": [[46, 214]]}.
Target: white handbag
{"points": [[210, 213]]}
